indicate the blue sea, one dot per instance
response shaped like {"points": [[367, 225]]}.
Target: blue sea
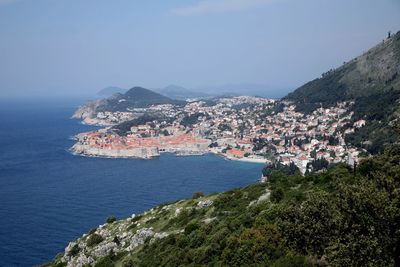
{"points": [[49, 197]]}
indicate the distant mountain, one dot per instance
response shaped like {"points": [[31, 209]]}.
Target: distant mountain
{"points": [[252, 89], [372, 81], [109, 91], [180, 93]]}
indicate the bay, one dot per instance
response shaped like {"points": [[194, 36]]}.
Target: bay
{"points": [[49, 197]]}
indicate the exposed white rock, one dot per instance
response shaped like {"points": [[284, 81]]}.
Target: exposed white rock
{"points": [[208, 220], [178, 211], [204, 203], [80, 261], [264, 197], [140, 237], [148, 219], [104, 249], [159, 236]]}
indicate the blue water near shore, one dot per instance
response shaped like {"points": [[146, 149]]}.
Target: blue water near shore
{"points": [[49, 197]]}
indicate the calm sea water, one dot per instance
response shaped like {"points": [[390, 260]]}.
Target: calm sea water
{"points": [[49, 197]]}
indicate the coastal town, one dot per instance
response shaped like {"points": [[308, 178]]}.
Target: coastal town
{"points": [[241, 128]]}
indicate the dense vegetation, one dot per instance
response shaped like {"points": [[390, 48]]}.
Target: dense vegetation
{"points": [[380, 110]]}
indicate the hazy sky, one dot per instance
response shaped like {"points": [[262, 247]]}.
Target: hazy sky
{"points": [[66, 47]]}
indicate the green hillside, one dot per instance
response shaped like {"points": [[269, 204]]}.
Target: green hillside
{"points": [[342, 217], [372, 81], [136, 97]]}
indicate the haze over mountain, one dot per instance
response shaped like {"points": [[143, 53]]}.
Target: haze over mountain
{"points": [[263, 90], [61, 47], [109, 91], [180, 92]]}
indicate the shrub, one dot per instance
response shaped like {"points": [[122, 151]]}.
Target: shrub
{"points": [[128, 263], [197, 195], [292, 260], [277, 195], [60, 264], [184, 217], [74, 251], [111, 219], [94, 239], [116, 240], [105, 262], [191, 227]]}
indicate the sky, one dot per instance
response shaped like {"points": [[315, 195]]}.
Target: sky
{"points": [[77, 47]]}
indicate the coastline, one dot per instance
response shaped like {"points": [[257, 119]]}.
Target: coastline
{"points": [[85, 151], [59, 184]]}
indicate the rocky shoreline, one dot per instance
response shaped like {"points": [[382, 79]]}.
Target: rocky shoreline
{"points": [[134, 153], [150, 153], [139, 153]]}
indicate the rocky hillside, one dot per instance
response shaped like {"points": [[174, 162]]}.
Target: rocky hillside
{"points": [[372, 81], [342, 217]]}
